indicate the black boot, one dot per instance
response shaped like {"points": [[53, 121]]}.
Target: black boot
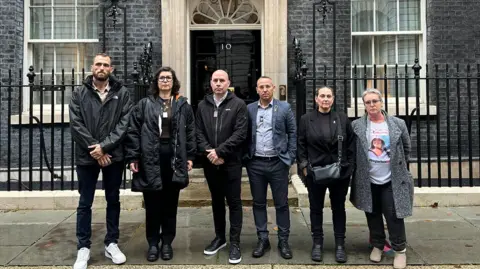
{"points": [[152, 253], [340, 254], [317, 252]]}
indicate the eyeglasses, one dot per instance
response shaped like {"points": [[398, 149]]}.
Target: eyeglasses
{"points": [[372, 102], [168, 79]]}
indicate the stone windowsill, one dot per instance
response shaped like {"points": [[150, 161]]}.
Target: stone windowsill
{"points": [[46, 117], [392, 110]]}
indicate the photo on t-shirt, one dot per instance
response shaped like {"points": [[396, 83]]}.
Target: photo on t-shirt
{"points": [[379, 146]]}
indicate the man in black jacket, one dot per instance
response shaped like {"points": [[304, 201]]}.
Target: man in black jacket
{"points": [[221, 122], [99, 114]]}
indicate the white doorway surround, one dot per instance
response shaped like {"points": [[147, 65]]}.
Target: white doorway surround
{"points": [[179, 17]]}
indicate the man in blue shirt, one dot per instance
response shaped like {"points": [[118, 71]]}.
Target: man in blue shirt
{"points": [[271, 151]]}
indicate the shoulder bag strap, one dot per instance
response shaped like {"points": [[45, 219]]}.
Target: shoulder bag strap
{"points": [[340, 138]]}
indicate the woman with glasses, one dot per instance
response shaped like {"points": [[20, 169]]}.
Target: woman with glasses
{"points": [[160, 149], [382, 185], [323, 134]]}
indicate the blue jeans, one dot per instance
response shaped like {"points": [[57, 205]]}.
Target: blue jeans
{"points": [[87, 182]]}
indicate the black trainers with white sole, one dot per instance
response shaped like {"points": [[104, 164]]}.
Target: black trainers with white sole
{"points": [[235, 255], [215, 246]]}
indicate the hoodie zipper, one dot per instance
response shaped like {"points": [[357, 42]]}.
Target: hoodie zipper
{"points": [[216, 124]]}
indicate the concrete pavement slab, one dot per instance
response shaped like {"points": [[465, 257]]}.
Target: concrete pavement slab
{"points": [[22, 235], [126, 216], [354, 216], [469, 213], [240, 266], [447, 251], [187, 247], [441, 230], [8, 253], [35, 216], [433, 214], [58, 247]]}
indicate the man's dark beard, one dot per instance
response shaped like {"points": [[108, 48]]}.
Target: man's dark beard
{"points": [[100, 78]]}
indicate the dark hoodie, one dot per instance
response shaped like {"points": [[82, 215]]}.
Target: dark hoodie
{"points": [[143, 142], [93, 122], [225, 133]]}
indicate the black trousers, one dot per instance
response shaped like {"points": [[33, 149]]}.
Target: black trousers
{"points": [[316, 196], [161, 206], [383, 204], [261, 172], [224, 181], [87, 182]]}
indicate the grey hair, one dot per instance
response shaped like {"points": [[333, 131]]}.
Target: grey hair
{"points": [[374, 91]]}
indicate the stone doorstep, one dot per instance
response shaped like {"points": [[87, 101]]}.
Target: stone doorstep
{"points": [[196, 194], [424, 197]]}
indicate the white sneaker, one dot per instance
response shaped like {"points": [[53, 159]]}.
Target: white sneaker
{"points": [[83, 255], [114, 253]]}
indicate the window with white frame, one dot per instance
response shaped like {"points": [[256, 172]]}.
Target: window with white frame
{"points": [[387, 32], [61, 35]]}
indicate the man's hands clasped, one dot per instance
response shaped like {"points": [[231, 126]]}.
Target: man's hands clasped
{"points": [[213, 157], [103, 159]]}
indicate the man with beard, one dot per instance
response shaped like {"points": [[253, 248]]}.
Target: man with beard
{"points": [[221, 131], [99, 114]]}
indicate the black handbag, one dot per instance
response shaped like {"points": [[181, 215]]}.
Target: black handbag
{"points": [[330, 172]]}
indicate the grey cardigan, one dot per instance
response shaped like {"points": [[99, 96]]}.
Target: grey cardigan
{"points": [[402, 181]]}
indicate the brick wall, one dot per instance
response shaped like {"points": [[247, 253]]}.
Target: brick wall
{"points": [[300, 25], [143, 26]]}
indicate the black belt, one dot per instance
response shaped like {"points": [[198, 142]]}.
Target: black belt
{"points": [[261, 158]]}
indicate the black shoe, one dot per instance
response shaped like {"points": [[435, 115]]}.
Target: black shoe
{"points": [[167, 252], [285, 250], [262, 246], [317, 253], [340, 254], [215, 246], [235, 254], [152, 254]]}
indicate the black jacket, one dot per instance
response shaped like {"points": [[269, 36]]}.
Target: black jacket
{"points": [[143, 142], [92, 122], [314, 150], [225, 133]]}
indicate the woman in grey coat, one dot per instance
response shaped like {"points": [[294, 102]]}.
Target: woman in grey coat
{"points": [[382, 184]]}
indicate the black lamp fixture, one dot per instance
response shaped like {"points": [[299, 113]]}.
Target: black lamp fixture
{"points": [[324, 9], [112, 10]]}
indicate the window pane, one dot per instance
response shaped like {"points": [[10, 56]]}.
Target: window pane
{"points": [[392, 89], [64, 23], [66, 57], [87, 53], [362, 50], [407, 49], [64, 2], [43, 57], [362, 15], [362, 82], [40, 2], [45, 90], [386, 15], [67, 92], [87, 2], [409, 15], [385, 50], [41, 23], [88, 23]]}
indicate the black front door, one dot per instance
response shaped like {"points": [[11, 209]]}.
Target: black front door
{"points": [[236, 52]]}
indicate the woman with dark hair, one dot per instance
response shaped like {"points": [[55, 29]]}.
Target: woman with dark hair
{"points": [[160, 149], [326, 137]]}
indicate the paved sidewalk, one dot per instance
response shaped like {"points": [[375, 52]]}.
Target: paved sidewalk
{"points": [[436, 236]]}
